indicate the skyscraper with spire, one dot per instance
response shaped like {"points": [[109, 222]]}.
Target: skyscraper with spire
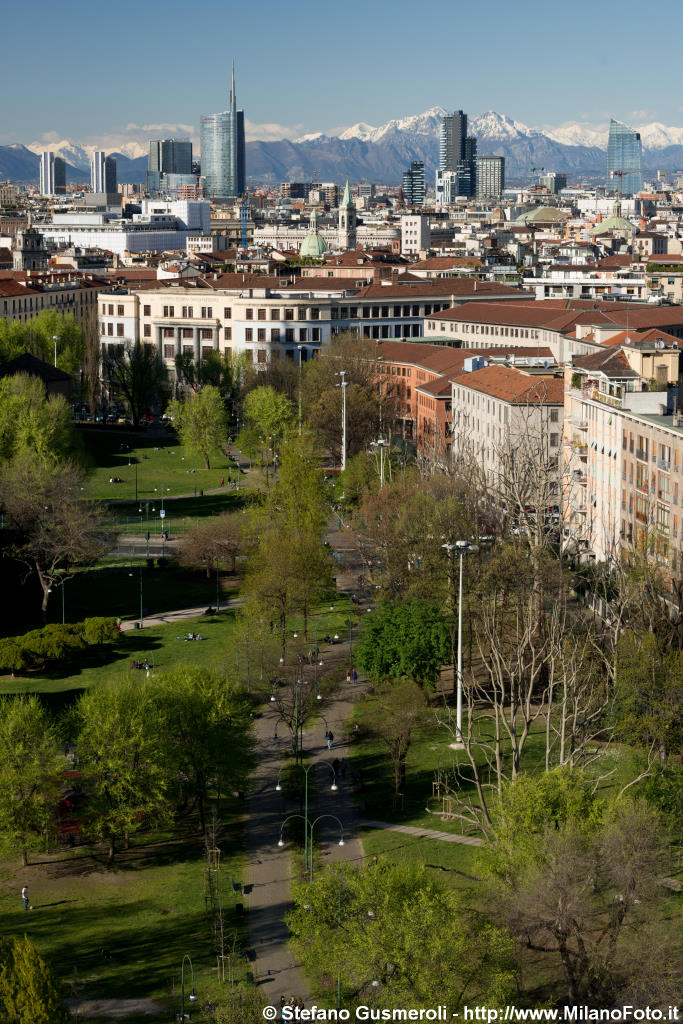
{"points": [[223, 150]]}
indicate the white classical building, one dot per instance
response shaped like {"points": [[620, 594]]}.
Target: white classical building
{"points": [[161, 225]]}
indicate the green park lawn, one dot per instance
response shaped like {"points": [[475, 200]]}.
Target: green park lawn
{"points": [[147, 912], [163, 466]]}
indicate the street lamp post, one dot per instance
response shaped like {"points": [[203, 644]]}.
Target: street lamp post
{"points": [[343, 385], [306, 770], [55, 338], [311, 826], [192, 998], [141, 615], [381, 444], [462, 546]]}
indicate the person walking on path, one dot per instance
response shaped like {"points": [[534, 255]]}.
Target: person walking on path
{"points": [[24, 896], [329, 738], [354, 677]]}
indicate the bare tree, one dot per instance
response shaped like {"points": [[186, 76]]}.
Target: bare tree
{"points": [[212, 541]]}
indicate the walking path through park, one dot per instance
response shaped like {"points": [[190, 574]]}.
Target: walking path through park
{"points": [[166, 618], [272, 867], [422, 833]]}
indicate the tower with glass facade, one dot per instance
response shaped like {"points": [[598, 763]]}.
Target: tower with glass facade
{"points": [[458, 153], [223, 151], [414, 184], [624, 160]]}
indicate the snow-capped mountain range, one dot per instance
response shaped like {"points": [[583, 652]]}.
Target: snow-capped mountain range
{"points": [[380, 154]]}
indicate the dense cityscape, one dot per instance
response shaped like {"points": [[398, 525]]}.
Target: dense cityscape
{"points": [[341, 524]]}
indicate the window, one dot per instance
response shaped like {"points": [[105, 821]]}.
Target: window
{"points": [[227, 333], [119, 330], [207, 312], [188, 332], [147, 331], [303, 334], [301, 313], [249, 334], [187, 312], [249, 314], [146, 310], [315, 334], [261, 314], [168, 332], [250, 355], [104, 309], [119, 311], [275, 334], [289, 334], [289, 314], [111, 310], [227, 313], [261, 334], [110, 330], [206, 333], [206, 351], [169, 351], [275, 314], [103, 329], [554, 415], [261, 355], [554, 438]]}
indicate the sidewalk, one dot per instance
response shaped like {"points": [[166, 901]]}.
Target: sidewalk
{"points": [[270, 876], [167, 618]]}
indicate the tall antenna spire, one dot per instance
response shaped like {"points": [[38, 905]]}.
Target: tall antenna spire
{"points": [[233, 97]]}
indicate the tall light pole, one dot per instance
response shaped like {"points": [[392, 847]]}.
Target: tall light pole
{"points": [[381, 444], [55, 338], [462, 546], [344, 385], [141, 616], [281, 841], [306, 770], [192, 998]]}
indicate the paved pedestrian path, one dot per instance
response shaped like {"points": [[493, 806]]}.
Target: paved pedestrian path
{"points": [[167, 618], [422, 833]]}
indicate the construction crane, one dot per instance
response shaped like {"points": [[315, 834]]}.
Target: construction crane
{"points": [[316, 174]]}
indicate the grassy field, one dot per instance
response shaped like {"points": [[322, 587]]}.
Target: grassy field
{"points": [[159, 644], [164, 467], [146, 913]]}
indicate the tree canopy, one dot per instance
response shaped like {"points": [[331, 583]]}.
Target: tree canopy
{"points": [[136, 376], [31, 423], [407, 638], [30, 992], [201, 422], [394, 935], [37, 336]]}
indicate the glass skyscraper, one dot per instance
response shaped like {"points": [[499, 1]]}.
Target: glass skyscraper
{"points": [[624, 160], [223, 151]]}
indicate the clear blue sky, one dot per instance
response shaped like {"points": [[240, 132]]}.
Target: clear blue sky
{"points": [[95, 67]]}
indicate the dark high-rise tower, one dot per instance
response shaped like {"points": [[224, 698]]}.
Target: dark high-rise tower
{"points": [[453, 135]]}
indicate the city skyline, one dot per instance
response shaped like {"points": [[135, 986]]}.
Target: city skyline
{"points": [[275, 66]]}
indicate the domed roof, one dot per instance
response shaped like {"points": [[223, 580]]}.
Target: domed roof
{"points": [[610, 225], [542, 214], [313, 245]]}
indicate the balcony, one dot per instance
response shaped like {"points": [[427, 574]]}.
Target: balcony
{"points": [[664, 464], [642, 454]]}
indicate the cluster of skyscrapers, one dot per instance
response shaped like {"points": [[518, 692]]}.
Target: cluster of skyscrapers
{"points": [[461, 173]]}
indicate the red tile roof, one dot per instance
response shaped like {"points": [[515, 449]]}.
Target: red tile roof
{"points": [[514, 386]]}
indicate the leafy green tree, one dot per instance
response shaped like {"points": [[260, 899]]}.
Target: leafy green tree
{"points": [[37, 335], [58, 529], [13, 655], [267, 414], [123, 756], [578, 877], [649, 694], [30, 992], [215, 369], [201, 422], [31, 423], [394, 935], [30, 763], [53, 642], [410, 639], [136, 376], [100, 629], [205, 724]]}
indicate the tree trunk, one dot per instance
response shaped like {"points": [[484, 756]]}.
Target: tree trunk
{"points": [[24, 857], [207, 464], [111, 852]]}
